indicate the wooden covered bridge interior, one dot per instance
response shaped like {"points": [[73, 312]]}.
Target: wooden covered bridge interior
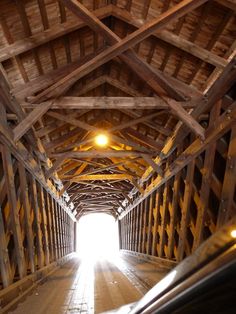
{"points": [[154, 81]]}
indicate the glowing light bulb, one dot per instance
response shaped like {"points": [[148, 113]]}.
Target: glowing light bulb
{"points": [[233, 233], [101, 140]]}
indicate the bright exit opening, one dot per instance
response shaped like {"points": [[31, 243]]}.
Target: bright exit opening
{"points": [[97, 236]]}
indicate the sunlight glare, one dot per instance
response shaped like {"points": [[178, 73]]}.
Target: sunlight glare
{"points": [[97, 236]]}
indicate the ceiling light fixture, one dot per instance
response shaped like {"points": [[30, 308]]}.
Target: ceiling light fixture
{"points": [[233, 233], [101, 140]]}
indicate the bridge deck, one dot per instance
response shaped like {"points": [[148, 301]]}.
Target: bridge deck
{"points": [[83, 286]]}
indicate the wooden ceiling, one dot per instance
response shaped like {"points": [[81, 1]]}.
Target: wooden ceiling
{"points": [[133, 69]]}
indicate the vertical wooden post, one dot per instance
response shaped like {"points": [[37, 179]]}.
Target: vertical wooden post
{"points": [[226, 210], [150, 221], [185, 210], [6, 273], [120, 233], [49, 227], [43, 223], [12, 200], [53, 218], [137, 217], [145, 212], [37, 221], [173, 215], [140, 239], [27, 215], [206, 181]]}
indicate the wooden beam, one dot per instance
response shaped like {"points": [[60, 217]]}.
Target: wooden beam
{"points": [[102, 177], [100, 154], [78, 103], [186, 118], [120, 46], [29, 121], [173, 39], [152, 163], [100, 191], [22, 91]]}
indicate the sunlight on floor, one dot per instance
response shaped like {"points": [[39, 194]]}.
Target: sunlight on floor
{"points": [[97, 237]]}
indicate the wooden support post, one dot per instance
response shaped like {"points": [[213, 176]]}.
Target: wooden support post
{"points": [[173, 216], [144, 231], [150, 224], [206, 181], [43, 223], [5, 267], [228, 188], [49, 227], [12, 200], [140, 208], [27, 215], [37, 223], [53, 219], [163, 238], [185, 210], [137, 217], [156, 221]]}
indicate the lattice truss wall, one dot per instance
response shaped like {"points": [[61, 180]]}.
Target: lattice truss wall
{"points": [[35, 229], [195, 197]]}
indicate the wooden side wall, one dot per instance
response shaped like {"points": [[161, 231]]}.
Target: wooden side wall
{"points": [[193, 202], [34, 228]]}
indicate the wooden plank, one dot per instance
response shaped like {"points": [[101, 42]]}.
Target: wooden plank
{"points": [[100, 154], [37, 223], [12, 201], [43, 224], [173, 216], [144, 226], [53, 219], [156, 214], [150, 225], [163, 218], [185, 220], [49, 227], [29, 121], [27, 215]]}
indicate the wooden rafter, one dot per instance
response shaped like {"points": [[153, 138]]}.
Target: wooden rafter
{"points": [[120, 46]]}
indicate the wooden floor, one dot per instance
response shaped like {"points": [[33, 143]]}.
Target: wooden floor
{"points": [[82, 286]]}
